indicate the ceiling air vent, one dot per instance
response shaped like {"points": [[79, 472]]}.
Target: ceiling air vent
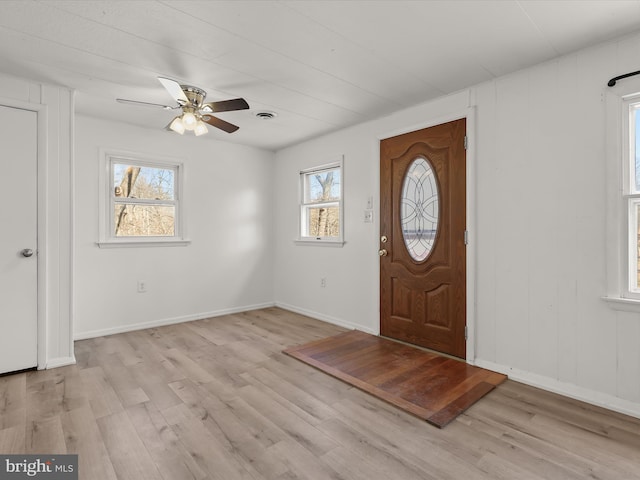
{"points": [[266, 115]]}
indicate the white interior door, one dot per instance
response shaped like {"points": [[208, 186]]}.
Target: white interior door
{"points": [[18, 238]]}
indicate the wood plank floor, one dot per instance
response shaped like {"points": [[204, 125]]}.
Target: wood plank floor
{"points": [[216, 399], [432, 387]]}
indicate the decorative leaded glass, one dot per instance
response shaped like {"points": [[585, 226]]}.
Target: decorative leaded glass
{"points": [[419, 210]]}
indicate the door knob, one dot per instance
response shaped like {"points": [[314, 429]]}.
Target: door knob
{"points": [[382, 253], [27, 252]]}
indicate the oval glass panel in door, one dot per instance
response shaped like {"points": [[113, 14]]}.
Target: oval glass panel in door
{"points": [[419, 210]]}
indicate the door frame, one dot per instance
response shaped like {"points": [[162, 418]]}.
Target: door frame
{"points": [[469, 113], [41, 230]]}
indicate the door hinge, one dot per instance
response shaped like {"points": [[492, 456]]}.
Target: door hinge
{"points": [[466, 237], [465, 142], [466, 333]]}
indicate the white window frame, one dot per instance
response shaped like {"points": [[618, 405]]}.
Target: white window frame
{"points": [[621, 196], [631, 198], [107, 238], [303, 206]]}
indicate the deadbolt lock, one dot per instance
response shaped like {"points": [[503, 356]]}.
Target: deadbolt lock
{"points": [[383, 239]]}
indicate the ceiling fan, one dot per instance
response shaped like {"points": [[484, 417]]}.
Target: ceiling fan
{"points": [[195, 114]]}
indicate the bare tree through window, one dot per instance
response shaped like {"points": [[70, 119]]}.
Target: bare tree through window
{"points": [[144, 201], [321, 203]]}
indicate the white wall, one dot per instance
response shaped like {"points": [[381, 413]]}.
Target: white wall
{"points": [[54, 104], [539, 236], [350, 297], [228, 264]]}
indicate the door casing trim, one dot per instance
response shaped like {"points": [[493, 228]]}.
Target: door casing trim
{"points": [[469, 114], [41, 230]]}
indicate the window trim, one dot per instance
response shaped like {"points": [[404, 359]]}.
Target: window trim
{"points": [[302, 206], [620, 197], [107, 202]]}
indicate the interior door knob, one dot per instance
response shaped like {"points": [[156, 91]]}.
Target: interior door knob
{"points": [[27, 252], [383, 252]]}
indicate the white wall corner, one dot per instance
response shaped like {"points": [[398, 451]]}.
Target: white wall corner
{"points": [[327, 318], [56, 228]]}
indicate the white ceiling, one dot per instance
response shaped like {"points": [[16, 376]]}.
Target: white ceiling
{"points": [[320, 65]]}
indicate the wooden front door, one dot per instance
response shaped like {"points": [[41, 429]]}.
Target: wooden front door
{"points": [[422, 238]]}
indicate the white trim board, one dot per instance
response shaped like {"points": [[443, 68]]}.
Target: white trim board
{"points": [[592, 397], [60, 362], [167, 321], [325, 318], [42, 286], [217, 313]]}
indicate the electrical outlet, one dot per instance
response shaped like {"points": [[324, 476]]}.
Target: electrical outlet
{"points": [[142, 286], [323, 282], [368, 216]]}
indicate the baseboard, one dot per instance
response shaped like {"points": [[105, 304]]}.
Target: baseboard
{"points": [[167, 321], [569, 390], [60, 362], [593, 397], [325, 318]]}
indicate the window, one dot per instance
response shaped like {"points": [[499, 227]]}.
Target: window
{"points": [[622, 104], [631, 194], [141, 201], [321, 211]]}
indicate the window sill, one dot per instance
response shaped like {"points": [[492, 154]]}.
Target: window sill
{"points": [[623, 304], [319, 243], [143, 243]]}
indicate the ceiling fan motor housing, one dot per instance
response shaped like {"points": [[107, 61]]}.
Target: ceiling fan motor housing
{"points": [[195, 95]]}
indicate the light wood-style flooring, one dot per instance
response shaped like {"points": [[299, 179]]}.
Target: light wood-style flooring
{"points": [[216, 399]]}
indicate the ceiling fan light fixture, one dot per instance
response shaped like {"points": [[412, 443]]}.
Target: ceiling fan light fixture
{"points": [[177, 125], [194, 113], [189, 121], [200, 129]]}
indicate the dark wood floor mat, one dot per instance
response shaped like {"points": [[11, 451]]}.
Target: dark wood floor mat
{"points": [[433, 387]]}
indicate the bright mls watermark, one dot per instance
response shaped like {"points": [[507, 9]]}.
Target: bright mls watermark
{"points": [[51, 467]]}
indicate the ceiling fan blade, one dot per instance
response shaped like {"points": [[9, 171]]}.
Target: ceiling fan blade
{"points": [[144, 104], [226, 105], [174, 89], [219, 123]]}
